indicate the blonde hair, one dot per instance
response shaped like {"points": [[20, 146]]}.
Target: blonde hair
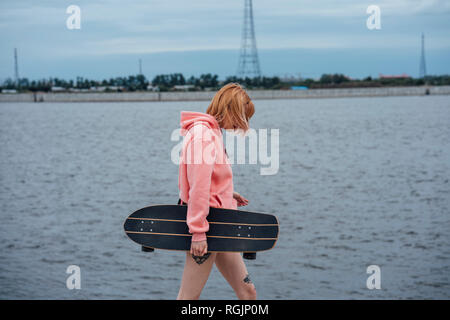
{"points": [[231, 104]]}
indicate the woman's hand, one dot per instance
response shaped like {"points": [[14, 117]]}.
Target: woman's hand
{"points": [[241, 201], [199, 248]]}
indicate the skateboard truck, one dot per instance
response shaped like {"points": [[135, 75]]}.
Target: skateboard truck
{"points": [[249, 255], [147, 249]]}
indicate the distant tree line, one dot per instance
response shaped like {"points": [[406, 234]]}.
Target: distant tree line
{"points": [[168, 82], [130, 83], [342, 81], [208, 81]]}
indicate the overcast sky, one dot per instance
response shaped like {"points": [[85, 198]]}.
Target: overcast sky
{"points": [[199, 36]]}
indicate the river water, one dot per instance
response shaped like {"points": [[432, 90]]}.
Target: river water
{"points": [[361, 181]]}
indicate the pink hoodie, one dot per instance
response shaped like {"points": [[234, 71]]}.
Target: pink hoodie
{"points": [[205, 177]]}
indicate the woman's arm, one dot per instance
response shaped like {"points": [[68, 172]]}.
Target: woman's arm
{"points": [[199, 177]]}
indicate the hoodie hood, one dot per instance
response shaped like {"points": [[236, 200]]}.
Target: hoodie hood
{"points": [[189, 118]]}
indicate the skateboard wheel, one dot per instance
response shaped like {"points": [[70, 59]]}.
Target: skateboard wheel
{"points": [[147, 249], [249, 255]]}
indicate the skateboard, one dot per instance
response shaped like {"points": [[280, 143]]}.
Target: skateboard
{"points": [[164, 227]]}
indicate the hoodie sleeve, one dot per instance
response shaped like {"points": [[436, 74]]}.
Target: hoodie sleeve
{"points": [[199, 174]]}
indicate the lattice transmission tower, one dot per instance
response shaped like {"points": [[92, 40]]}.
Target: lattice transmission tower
{"points": [[423, 66], [248, 59]]}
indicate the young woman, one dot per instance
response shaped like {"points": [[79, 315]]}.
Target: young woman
{"points": [[206, 180]]}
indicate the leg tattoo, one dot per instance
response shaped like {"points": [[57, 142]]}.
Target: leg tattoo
{"points": [[201, 259], [247, 279]]}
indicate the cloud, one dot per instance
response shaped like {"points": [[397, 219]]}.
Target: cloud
{"points": [[148, 26]]}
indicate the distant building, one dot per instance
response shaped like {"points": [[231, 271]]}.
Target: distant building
{"points": [[399, 76], [98, 89], [152, 88], [299, 88], [184, 87], [9, 91], [106, 88], [115, 88], [58, 89]]}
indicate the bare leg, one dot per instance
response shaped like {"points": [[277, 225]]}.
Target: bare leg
{"points": [[194, 277], [233, 269]]}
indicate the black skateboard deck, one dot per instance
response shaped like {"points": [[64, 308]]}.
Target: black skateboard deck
{"points": [[164, 227]]}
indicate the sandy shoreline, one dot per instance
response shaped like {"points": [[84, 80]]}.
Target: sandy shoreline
{"points": [[207, 95]]}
